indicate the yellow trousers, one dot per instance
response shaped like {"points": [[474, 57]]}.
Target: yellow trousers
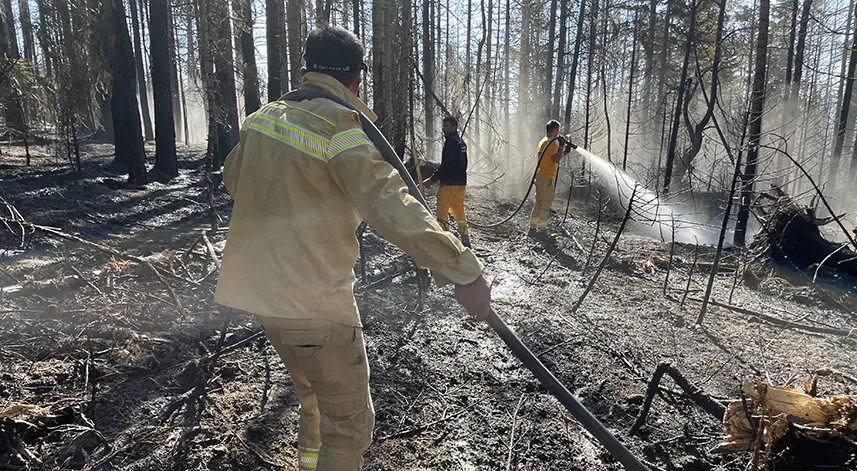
{"points": [[330, 372], [451, 198], [542, 208]]}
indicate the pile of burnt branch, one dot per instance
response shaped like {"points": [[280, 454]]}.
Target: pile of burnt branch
{"points": [[788, 429], [790, 237], [781, 428]]}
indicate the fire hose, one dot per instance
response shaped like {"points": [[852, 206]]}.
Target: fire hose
{"points": [[547, 379]]}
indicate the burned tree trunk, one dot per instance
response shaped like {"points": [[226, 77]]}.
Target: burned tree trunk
{"points": [[165, 132], [128, 137], [226, 102], [757, 106], [276, 31], [141, 73], [680, 96], [244, 29]]}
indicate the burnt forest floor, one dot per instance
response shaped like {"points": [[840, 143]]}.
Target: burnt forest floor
{"points": [[106, 365]]}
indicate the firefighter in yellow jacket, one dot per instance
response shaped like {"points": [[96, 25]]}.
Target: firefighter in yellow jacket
{"points": [[302, 177], [546, 176]]}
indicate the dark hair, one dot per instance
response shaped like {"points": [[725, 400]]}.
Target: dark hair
{"points": [[336, 52], [451, 119], [553, 125]]}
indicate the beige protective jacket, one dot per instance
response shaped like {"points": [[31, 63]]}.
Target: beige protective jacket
{"points": [[303, 177]]}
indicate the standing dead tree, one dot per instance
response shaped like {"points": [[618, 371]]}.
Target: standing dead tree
{"points": [[128, 137]]}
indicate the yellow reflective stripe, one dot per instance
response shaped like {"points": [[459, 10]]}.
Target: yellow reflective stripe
{"points": [[306, 111], [305, 140], [307, 458], [287, 133], [347, 140]]}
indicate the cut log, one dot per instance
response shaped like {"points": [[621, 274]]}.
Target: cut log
{"points": [[789, 425]]}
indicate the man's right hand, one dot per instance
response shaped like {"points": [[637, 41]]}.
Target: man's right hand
{"points": [[475, 297]]}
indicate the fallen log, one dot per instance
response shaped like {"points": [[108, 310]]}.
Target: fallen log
{"points": [[793, 429], [790, 233]]}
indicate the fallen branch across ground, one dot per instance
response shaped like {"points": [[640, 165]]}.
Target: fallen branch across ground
{"points": [[701, 399], [782, 323]]}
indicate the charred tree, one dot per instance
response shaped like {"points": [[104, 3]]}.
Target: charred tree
{"points": [[9, 94], [166, 163], [172, 42], [225, 103], [295, 18], [275, 30], [27, 32], [546, 84], [842, 122], [572, 74], [250, 76], [128, 137], [630, 90], [757, 106], [696, 132], [141, 73], [680, 96], [649, 48], [428, 74], [560, 59]]}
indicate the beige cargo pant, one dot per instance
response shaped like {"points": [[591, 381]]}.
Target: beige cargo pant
{"points": [[330, 372], [542, 208]]}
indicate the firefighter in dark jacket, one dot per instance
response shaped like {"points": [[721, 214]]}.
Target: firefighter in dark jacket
{"points": [[452, 177]]}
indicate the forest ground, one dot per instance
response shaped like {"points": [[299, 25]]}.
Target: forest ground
{"points": [[102, 369]]}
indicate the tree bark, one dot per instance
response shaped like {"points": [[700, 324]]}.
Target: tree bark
{"points": [[27, 32], [649, 47], [696, 132], [663, 59], [275, 28], [355, 5], [250, 76], [757, 105], [12, 35], [166, 162], [593, 24], [128, 137], [43, 36], [842, 121], [226, 104], [174, 72], [560, 59], [548, 78], [525, 64], [673, 142], [295, 18], [428, 73], [380, 66], [9, 95], [572, 79], [506, 69], [141, 72], [630, 90], [843, 65]]}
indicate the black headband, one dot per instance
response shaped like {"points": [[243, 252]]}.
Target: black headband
{"points": [[315, 66]]}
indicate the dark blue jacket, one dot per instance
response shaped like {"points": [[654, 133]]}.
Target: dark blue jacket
{"points": [[453, 164]]}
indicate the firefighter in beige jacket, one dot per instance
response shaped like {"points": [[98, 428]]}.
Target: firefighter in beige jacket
{"points": [[303, 177]]}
